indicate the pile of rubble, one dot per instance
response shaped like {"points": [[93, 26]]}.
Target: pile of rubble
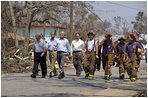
{"points": [[16, 62]]}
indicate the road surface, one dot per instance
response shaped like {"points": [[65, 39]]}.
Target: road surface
{"points": [[22, 85]]}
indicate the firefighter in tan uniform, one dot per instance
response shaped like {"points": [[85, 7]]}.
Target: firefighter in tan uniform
{"points": [[132, 63], [90, 56], [122, 56], [108, 54]]}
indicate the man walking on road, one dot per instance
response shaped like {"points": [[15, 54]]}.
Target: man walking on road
{"points": [[40, 48], [52, 54], [76, 48], [121, 56], [90, 56], [132, 63], [108, 55], [63, 50]]}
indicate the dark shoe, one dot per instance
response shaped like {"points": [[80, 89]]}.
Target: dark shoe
{"points": [[43, 76], [86, 76], [78, 74], [61, 76], [50, 75], [33, 76], [122, 77], [55, 74]]}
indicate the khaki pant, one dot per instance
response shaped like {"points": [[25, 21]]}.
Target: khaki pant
{"points": [[122, 59], [107, 61], [89, 63], [52, 62], [132, 65], [77, 61]]}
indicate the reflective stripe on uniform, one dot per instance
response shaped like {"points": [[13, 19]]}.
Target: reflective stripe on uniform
{"points": [[87, 73], [133, 78], [122, 74], [106, 75], [91, 75]]}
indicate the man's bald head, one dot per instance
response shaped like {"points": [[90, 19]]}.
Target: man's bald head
{"points": [[62, 34], [38, 36]]}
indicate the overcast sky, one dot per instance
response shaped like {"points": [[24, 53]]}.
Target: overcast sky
{"points": [[126, 9]]}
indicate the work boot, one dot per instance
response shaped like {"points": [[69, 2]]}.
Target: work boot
{"points": [[133, 79], [106, 78], [86, 76], [61, 75], [91, 78], [122, 77], [50, 75], [110, 75], [33, 75]]}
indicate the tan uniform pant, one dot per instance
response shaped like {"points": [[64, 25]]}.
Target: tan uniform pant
{"points": [[52, 62], [122, 59], [89, 63], [107, 61], [132, 64]]}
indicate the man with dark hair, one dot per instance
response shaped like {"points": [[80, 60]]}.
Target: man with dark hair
{"points": [[76, 49], [40, 48], [52, 54], [90, 56]]}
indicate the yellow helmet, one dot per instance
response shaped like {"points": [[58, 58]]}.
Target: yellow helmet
{"points": [[139, 50], [121, 37]]}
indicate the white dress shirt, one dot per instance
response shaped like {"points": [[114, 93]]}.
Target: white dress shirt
{"points": [[77, 45]]}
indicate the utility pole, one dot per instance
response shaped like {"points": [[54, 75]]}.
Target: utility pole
{"points": [[71, 21]]}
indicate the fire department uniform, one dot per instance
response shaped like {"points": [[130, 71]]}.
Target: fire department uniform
{"points": [[107, 57], [89, 58], [121, 51], [132, 59]]}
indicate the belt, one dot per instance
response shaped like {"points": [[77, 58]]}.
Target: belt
{"points": [[77, 51], [90, 51], [51, 50], [38, 52], [61, 51]]}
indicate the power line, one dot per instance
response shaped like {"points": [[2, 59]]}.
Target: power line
{"points": [[123, 5], [94, 13]]}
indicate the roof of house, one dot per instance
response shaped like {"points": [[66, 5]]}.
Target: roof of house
{"points": [[12, 35], [41, 26]]}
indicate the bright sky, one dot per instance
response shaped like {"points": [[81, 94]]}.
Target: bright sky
{"points": [[126, 9]]}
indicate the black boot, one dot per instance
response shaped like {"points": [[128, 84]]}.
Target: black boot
{"points": [[50, 75], [33, 75], [122, 77], [61, 75]]}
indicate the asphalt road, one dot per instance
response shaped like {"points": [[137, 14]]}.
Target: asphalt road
{"points": [[22, 85]]}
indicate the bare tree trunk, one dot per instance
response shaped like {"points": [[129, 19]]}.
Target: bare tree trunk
{"points": [[71, 21], [14, 23], [27, 29]]}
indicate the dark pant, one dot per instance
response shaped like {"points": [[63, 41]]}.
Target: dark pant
{"points": [[77, 61], [61, 60], [42, 60]]}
